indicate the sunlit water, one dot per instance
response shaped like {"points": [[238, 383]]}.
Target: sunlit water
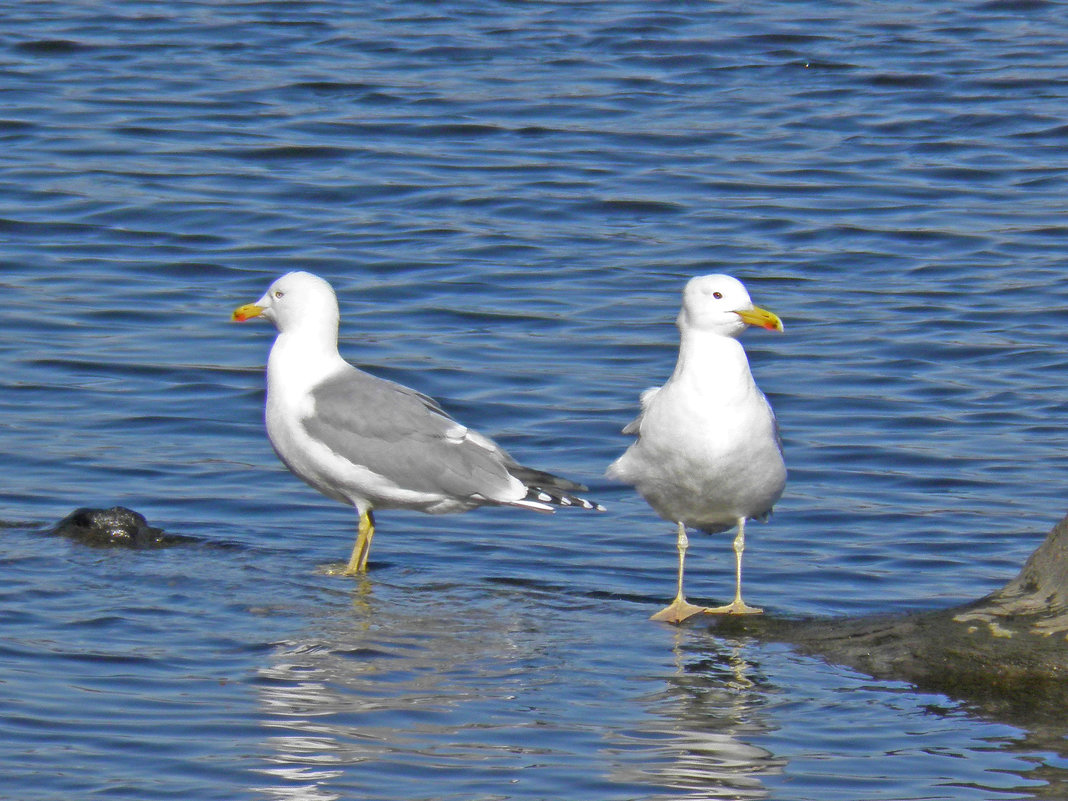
{"points": [[509, 198]]}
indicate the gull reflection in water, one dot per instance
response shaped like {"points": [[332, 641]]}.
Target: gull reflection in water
{"points": [[308, 755], [701, 722], [502, 690], [446, 691]]}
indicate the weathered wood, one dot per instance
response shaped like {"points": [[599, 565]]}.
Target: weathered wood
{"points": [[1007, 652]]}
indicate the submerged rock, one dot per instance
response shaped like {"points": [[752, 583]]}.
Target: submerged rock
{"points": [[117, 526]]}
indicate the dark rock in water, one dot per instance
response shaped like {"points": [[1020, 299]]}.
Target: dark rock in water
{"points": [[117, 526]]}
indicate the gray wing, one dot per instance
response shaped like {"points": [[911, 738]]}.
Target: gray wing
{"points": [[775, 426], [406, 437], [635, 426]]}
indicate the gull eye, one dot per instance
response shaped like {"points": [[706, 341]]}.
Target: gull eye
{"points": [[278, 293], [717, 295]]}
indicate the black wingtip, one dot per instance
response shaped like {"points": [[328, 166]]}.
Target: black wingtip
{"points": [[564, 500]]}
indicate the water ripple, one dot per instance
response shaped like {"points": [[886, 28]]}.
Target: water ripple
{"points": [[508, 199]]}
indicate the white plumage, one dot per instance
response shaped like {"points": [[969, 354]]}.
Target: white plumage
{"points": [[707, 453], [372, 443]]}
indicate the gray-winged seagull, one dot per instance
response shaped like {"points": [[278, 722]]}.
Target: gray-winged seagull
{"points": [[373, 443]]}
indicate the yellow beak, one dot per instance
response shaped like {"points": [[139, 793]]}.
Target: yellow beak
{"points": [[757, 316], [246, 312]]}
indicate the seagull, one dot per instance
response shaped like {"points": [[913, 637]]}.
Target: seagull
{"points": [[373, 443], [707, 453]]}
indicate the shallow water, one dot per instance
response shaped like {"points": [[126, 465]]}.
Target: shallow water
{"points": [[508, 199]]}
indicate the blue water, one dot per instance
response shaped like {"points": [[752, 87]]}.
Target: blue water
{"points": [[508, 198]]}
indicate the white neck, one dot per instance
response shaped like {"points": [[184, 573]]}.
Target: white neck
{"points": [[713, 363], [305, 356]]}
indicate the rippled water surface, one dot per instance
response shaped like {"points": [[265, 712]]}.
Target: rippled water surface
{"points": [[508, 198]]}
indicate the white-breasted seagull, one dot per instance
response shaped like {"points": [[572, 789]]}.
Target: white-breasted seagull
{"points": [[707, 453], [373, 443]]}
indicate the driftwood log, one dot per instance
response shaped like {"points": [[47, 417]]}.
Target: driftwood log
{"points": [[1006, 653]]}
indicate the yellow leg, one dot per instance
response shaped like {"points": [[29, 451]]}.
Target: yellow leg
{"points": [[365, 532], [737, 606], [680, 609]]}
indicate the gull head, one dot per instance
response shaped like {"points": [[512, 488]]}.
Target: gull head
{"points": [[295, 301], [720, 304]]}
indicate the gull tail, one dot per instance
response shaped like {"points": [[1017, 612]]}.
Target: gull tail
{"points": [[546, 491]]}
